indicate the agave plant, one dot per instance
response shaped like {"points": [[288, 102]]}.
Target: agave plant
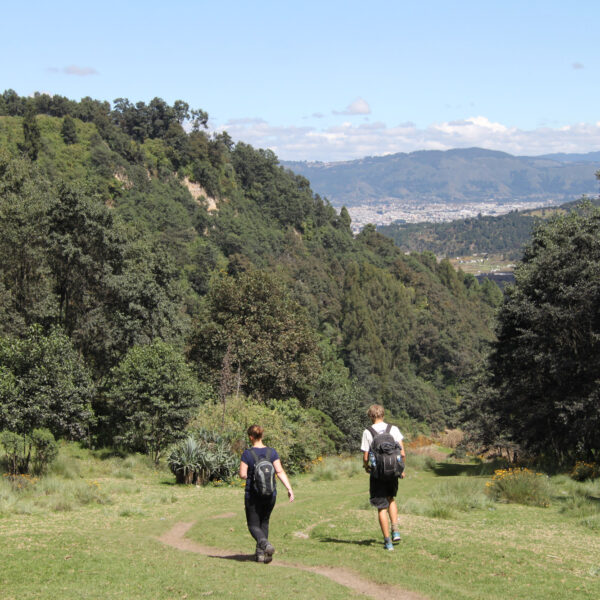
{"points": [[184, 461], [202, 457], [217, 460]]}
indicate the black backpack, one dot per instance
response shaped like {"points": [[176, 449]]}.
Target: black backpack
{"points": [[264, 474], [388, 460]]}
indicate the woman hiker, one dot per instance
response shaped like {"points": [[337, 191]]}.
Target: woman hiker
{"points": [[261, 492]]}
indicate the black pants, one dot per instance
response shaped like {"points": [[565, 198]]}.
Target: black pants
{"points": [[258, 513]]}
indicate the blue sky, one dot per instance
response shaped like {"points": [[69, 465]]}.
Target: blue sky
{"points": [[329, 80]]}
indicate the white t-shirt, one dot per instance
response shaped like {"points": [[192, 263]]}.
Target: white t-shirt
{"points": [[367, 438]]}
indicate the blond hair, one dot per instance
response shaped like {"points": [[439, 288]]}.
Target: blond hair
{"points": [[375, 411]]}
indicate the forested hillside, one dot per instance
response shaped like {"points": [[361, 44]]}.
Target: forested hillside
{"points": [[146, 261], [453, 176]]}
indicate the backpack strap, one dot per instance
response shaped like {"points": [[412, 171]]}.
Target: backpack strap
{"points": [[388, 428], [254, 455], [257, 458], [372, 432]]}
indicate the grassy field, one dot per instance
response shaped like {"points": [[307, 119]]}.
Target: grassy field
{"points": [[482, 264], [91, 530]]}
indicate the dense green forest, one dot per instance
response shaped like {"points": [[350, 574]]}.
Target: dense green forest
{"points": [[151, 272], [504, 234]]}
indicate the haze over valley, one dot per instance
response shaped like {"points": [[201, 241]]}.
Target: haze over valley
{"points": [[438, 186]]}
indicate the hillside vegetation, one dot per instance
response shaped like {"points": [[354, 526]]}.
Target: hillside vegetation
{"points": [[136, 249], [452, 176]]}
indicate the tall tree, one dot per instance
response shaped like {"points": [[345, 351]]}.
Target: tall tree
{"points": [[84, 249], [31, 133], [546, 361], [264, 333], [24, 272], [68, 131], [44, 383], [152, 395]]}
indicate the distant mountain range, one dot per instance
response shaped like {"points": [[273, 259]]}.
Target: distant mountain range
{"points": [[453, 176]]}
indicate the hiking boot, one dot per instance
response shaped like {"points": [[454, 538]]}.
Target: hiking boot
{"points": [[388, 545], [396, 536], [269, 550], [260, 556]]}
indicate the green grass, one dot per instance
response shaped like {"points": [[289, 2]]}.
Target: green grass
{"points": [[94, 536]]}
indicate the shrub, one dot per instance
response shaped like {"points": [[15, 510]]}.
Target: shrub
{"points": [[45, 449], [521, 486], [451, 438], [20, 481], [583, 471], [296, 433], [37, 450], [14, 449]]}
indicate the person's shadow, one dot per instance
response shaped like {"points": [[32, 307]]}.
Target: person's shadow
{"points": [[329, 540], [236, 557]]}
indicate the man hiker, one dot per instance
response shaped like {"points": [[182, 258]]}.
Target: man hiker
{"points": [[382, 446]]}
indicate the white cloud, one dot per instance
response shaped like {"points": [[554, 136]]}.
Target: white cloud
{"points": [[358, 107], [347, 141], [75, 70]]}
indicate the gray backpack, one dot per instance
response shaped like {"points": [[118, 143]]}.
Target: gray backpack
{"points": [[264, 474], [388, 460]]}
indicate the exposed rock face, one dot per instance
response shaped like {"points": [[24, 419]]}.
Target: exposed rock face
{"points": [[199, 195]]}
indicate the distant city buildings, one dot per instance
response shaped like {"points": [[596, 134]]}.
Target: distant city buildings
{"points": [[388, 212]]}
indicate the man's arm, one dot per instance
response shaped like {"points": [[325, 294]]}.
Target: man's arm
{"points": [[366, 461]]}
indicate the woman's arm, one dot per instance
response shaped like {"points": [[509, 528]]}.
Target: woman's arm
{"points": [[283, 478], [243, 470]]}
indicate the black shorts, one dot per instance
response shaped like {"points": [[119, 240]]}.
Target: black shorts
{"points": [[382, 489]]}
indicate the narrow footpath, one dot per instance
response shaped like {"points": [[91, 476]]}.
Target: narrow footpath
{"points": [[175, 538]]}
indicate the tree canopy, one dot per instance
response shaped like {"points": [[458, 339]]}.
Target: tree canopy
{"points": [[545, 363]]}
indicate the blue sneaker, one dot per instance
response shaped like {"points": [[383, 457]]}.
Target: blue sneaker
{"points": [[396, 536], [388, 545]]}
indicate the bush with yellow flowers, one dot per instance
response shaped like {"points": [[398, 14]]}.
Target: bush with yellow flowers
{"points": [[519, 485], [583, 471]]}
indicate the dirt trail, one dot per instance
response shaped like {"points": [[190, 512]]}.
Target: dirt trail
{"points": [[175, 538]]}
